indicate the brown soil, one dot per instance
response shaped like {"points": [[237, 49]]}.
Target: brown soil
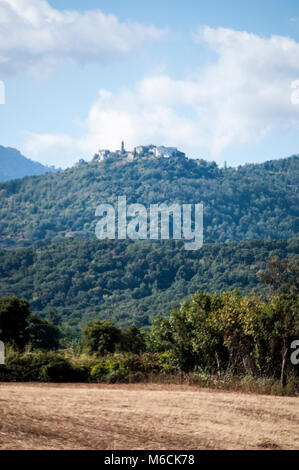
{"points": [[143, 416]]}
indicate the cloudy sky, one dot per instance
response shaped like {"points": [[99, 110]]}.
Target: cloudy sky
{"points": [[218, 79]]}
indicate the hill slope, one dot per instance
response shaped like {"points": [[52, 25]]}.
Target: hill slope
{"points": [[129, 281], [251, 202], [14, 165]]}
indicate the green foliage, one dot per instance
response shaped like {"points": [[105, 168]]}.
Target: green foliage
{"points": [[217, 331], [224, 334], [42, 334], [111, 370], [158, 367], [124, 367], [60, 370], [54, 317], [14, 314], [89, 279], [282, 275], [231, 334], [132, 340], [160, 336], [214, 337], [169, 362], [20, 328], [250, 202], [42, 366], [100, 337], [280, 326], [195, 342]]}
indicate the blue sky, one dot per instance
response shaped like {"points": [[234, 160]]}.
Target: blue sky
{"points": [[217, 79]]}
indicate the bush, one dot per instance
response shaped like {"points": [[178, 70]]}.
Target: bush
{"points": [[112, 370], [58, 370], [42, 366], [100, 337], [168, 362]]}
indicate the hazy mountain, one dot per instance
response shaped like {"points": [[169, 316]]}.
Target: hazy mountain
{"points": [[14, 165]]}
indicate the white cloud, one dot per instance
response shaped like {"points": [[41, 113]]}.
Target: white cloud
{"points": [[247, 93], [36, 37], [51, 149]]}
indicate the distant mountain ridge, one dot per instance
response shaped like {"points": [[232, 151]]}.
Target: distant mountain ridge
{"points": [[14, 165]]}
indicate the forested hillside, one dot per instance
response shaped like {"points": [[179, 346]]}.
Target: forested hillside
{"points": [[249, 202], [130, 282]]}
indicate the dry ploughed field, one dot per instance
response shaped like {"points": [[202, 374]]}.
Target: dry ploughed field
{"points": [[143, 416]]}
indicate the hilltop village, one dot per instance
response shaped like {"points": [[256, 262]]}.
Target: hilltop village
{"points": [[137, 152]]}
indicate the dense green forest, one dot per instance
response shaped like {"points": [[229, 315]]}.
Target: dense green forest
{"points": [[75, 308], [130, 282], [249, 202]]}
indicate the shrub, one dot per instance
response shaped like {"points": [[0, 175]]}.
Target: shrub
{"points": [[58, 370]]}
